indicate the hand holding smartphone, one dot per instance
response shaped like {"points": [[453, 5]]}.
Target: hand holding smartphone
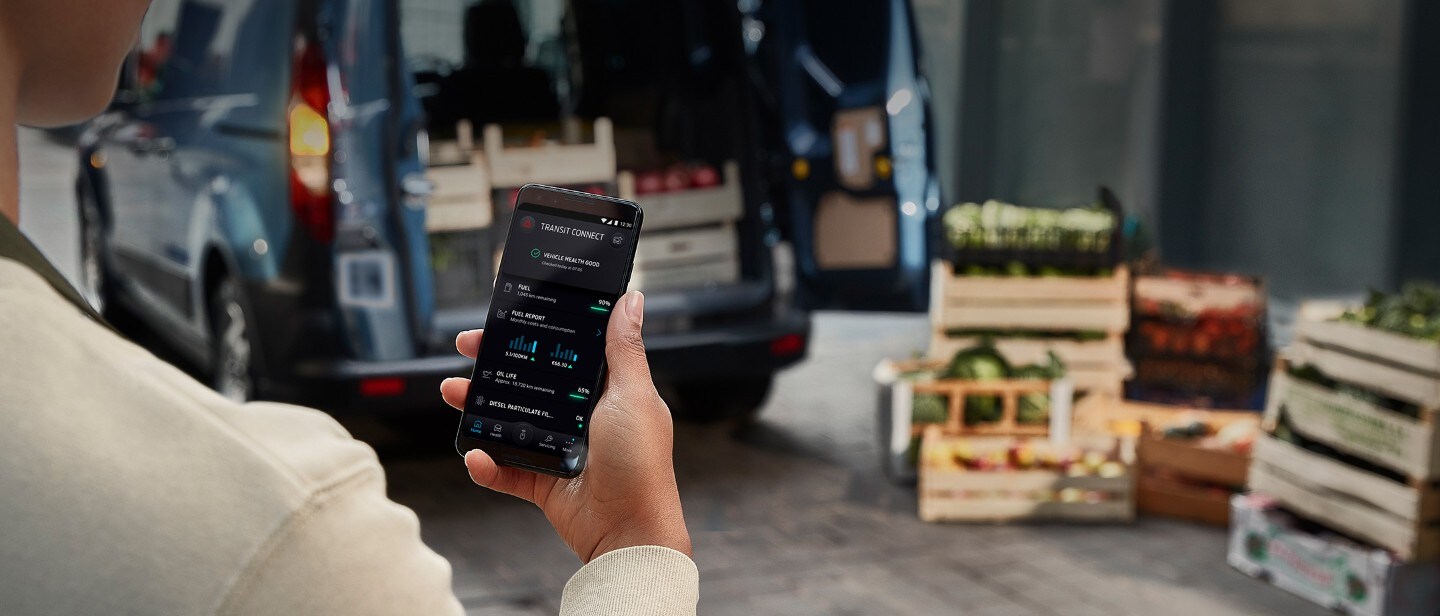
{"points": [[538, 373], [628, 496]]}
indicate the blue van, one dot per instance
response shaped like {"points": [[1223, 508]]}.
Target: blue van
{"points": [[258, 192]]}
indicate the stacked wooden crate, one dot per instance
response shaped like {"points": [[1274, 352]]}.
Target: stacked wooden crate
{"points": [[691, 235], [1368, 471], [1034, 315]]}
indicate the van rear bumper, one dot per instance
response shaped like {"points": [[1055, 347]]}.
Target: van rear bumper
{"points": [[350, 387]]}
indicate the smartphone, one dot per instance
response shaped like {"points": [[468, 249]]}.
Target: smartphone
{"points": [[538, 375]]}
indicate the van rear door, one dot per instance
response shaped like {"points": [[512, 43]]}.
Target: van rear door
{"points": [[380, 186], [855, 163]]}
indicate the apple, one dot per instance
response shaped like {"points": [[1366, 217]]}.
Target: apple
{"points": [[1111, 470], [1022, 456], [649, 182], [1093, 459], [704, 176], [676, 178]]}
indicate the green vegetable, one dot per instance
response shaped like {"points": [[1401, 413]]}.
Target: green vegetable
{"points": [[1414, 312], [1035, 408], [997, 225], [979, 363], [928, 409]]}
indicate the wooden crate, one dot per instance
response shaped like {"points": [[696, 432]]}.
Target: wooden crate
{"points": [[1009, 391], [1398, 366], [724, 203], [694, 257], [1402, 517], [1179, 479], [1053, 305], [1410, 445], [1037, 304], [557, 164], [960, 495]]}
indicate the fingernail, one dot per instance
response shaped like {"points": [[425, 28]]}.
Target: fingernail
{"points": [[635, 307], [447, 380]]}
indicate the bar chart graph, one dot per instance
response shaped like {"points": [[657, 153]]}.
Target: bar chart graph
{"points": [[564, 354], [519, 343]]}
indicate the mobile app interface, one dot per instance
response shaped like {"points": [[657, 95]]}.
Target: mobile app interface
{"points": [[538, 372]]}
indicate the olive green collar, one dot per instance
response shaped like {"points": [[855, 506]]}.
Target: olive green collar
{"points": [[15, 246]]}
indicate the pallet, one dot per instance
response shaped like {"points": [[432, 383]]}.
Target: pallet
{"points": [[1404, 518], [1054, 304], [958, 495]]}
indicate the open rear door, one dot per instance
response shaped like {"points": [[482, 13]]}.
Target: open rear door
{"points": [[857, 172]]}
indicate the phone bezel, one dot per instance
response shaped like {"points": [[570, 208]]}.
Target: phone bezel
{"points": [[581, 203]]}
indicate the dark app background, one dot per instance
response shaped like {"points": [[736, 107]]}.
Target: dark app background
{"points": [[537, 374]]}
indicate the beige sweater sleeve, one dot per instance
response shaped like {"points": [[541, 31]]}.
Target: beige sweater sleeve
{"points": [[645, 580], [350, 550]]}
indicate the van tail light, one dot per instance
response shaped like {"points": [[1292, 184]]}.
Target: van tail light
{"points": [[788, 344], [309, 126]]}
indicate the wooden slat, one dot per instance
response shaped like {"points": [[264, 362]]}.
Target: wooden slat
{"points": [[1192, 462], [940, 480], [687, 244], [1114, 289], [461, 200], [1023, 351], [1418, 355], [558, 164], [1350, 516], [1371, 432], [1343, 365], [937, 510], [1052, 315], [1324, 474], [699, 206], [1172, 499], [677, 275]]}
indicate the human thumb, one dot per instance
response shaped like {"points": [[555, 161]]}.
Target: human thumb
{"points": [[624, 346]]}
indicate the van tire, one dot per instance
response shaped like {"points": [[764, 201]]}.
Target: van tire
{"points": [[232, 351]]}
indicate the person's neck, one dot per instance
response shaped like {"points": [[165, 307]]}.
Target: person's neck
{"points": [[9, 158]]}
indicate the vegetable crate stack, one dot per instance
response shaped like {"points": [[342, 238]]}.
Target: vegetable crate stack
{"points": [[1199, 339], [1014, 470], [1036, 281], [1351, 420], [692, 216]]}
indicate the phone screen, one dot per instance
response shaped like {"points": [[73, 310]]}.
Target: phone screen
{"points": [[537, 376]]}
